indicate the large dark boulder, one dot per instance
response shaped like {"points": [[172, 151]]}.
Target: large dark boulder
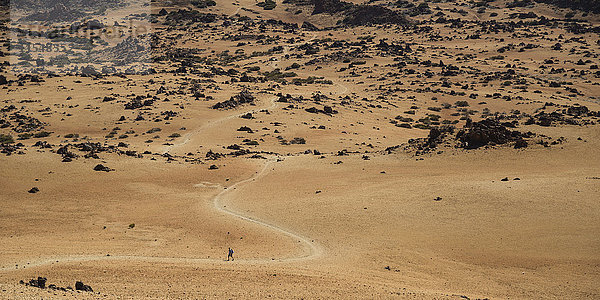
{"points": [[309, 26], [89, 71], [486, 132], [80, 286]]}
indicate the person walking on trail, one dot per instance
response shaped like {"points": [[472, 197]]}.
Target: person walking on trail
{"points": [[230, 254]]}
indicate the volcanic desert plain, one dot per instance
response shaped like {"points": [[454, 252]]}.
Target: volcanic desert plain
{"points": [[343, 149]]}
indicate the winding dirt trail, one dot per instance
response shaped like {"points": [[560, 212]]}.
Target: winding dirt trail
{"points": [[311, 249], [314, 250]]}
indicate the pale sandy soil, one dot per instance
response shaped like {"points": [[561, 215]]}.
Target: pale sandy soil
{"points": [[363, 225]]}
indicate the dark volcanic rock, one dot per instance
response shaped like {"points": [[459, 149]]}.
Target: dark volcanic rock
{"points": [[486, 132], [437, 135], [246, 129], [242, 98], [584, 5], [329, 6], [309, 26], [373, 14], [354, 14], [80, 286], [182, 17], [578, 111], [60, 13], [40, 282], [100, 167], [328, 110], [521, 144], [89, 71], [210, 155], [138, 103]]}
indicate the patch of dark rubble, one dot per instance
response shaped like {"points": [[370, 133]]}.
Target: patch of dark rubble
{"points": [[10, 149], [316, 98], [40, 283], [499, 131], [354, 14], [486, 132], [90, 150], [140, 101], [18, 122], [237, 151], [183, 16], [568, 115], [244, 97], [328, 110], [474, 135]]}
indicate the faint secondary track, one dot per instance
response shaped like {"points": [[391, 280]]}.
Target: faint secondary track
{"points": [[188, 136]]}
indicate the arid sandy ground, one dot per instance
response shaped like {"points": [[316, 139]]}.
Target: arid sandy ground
{"points": [[367, 181]]}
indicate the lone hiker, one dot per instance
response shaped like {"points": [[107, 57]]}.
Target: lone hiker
{"points": [[230, 254]]}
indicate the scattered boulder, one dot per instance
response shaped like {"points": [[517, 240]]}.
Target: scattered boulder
{"points": [[40, 282], [521, 144], [210, 155], [246, 129], [89, 71], [328, 110], [80, 286], [577, 111], [309, 26], [100, 167], [138, 103], [244, 97]]}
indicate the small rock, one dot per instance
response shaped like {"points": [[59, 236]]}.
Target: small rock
{"points": [[40, 282], [521, 144], [100, 167], [80, 286]]}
